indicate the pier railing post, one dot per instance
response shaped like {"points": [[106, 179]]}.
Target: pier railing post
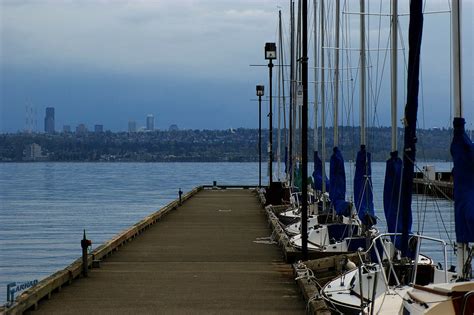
{"points": [[85, 243]]}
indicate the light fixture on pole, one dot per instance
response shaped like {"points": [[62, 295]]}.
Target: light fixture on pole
{"points": [[270, 55], [260, 93]]}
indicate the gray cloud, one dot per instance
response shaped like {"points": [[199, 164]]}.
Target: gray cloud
{"points": [[187, 41]]}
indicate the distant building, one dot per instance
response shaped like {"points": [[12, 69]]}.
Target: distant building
{"points": [[49, 120], [33, 152], [98, 128], [81, 128], [67, 128], [173, 128], [132, 126], [150, 122]]}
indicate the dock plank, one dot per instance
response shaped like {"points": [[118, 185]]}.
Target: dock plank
{"points": [[200, 258]]}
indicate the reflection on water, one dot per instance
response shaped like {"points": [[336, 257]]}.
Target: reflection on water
{"points": [[44, 207]]}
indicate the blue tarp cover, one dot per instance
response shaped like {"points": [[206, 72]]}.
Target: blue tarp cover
{"points": [[337, 184], [363, 195], [391, 195], [318, 173], [462, 151]]}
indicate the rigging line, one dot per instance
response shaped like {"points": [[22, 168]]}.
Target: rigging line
{"points": [[354, 49], [379, 79], [330, 95], [378, 92], [405, 62], [401, 14], [351, 95], [284, 47], [345, 64], [423, 197], [444, 225]]}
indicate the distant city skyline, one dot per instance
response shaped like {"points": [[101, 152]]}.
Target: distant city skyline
{"points": [[187, 62], [49, 124]]}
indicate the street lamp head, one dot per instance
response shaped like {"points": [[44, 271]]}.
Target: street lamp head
{"points": [[260, 89], [270, 51]]}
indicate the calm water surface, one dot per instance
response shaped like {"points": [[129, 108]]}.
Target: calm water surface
{"points": [[44, 207]]}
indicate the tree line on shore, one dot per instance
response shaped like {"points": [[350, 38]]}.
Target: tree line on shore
{"points": [[233, 145]]}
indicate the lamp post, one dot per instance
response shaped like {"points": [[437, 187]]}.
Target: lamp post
{"points": [[260, 92], [270, 55]]}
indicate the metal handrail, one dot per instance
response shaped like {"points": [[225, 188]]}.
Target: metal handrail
{"points": [[416, 255]]}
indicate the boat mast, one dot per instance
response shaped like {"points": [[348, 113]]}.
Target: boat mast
{"points": [[285, 136], [456, 48], [336, 78], [315, 54], [304, 134], [394, 66], [299, 78], [362, 73], [292, 90], [461, 248], [323, 106], [279, 102]]}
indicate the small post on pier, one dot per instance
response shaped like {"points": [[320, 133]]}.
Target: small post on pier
{"points": [[180, 193], [10, 293], [85, 243]]}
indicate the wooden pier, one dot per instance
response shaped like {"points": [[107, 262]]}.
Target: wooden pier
{"points": [[439, 186], [209, 255]]}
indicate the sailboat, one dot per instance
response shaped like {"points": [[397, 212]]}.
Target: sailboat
{"points": [[412, 284], [454, 297], [332, 227]]}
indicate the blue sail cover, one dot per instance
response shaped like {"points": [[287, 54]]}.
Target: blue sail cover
{"points": [[462, 151], [415, 32], [363, 195], [391, 195], [337, 184], [318, 173]]}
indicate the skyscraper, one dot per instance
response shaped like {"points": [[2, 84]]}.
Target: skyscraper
{"points": [[99, 128], [132, 126], [81, 129], [49, 120], [150, 122]]}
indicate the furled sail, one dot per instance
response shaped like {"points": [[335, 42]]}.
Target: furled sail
{"points": [[337, 184], [391, 195], [318, 173], [462, 151], [415, 30], [363, 196]]}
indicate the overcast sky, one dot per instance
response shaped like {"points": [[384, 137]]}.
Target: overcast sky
{"points": [[186, 62]]}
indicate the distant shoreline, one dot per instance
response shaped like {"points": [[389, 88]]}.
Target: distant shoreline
{"points": [[233, 145]]}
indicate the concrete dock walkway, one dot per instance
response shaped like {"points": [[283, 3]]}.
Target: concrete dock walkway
{"points": [[200, 258]]}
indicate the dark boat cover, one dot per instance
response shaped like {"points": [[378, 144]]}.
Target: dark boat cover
{"points": [[462, 151], [415, 32], [318, 173], [391, 195], [363, 195], [337, 184]]}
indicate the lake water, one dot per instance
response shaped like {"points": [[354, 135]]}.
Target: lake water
{"points": [[44, 207]]}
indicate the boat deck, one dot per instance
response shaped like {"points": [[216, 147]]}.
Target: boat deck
{"points": [[200, 258]]}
